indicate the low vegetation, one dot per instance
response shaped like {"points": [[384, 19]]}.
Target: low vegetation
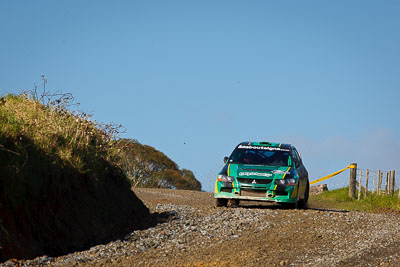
{"points": [[69, 136], [339, 199]]}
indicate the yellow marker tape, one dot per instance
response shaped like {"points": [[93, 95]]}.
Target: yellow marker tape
{"points": [[216, 186], [332, 174], [227, 172]]}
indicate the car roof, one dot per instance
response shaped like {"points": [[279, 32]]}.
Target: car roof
{"points": [[265, 143]]}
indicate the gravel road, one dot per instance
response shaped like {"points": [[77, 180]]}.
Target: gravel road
{"points": [[192, 232]]}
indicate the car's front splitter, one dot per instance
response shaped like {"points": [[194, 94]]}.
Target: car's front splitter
{"points": [[270, 196]]}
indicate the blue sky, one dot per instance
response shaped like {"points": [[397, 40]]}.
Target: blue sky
{"points": [[194, 78]]}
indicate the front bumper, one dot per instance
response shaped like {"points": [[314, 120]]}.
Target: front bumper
{"points": [[269, 192]]}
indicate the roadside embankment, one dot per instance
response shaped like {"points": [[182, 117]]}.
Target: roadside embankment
{"points": [[59, 192]]}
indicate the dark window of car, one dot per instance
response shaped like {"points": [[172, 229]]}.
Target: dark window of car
{"points": [[260, 155]]}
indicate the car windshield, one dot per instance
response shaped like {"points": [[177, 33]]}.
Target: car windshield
{"points": [[260, 155]]}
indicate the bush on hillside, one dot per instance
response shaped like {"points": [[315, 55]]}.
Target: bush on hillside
{"points": [[145, 166]]}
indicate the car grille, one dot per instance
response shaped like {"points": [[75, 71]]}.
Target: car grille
{"points": [[226, 190], [253, 193], [257, 181]]}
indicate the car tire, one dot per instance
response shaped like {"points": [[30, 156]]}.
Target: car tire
{"points": [[296, 205], [221, 202], [234, 203], [302, 204]]}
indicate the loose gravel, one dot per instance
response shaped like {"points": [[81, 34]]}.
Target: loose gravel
{"points": [[192, 232]]}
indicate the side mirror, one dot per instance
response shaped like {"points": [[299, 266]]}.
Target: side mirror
{"points": [[297, 163], [226, 159]]}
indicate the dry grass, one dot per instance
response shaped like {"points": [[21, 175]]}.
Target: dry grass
{"points": [[70, 135]]}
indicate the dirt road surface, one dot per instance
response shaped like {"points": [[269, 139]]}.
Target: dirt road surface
{"points": [[193, 232]]}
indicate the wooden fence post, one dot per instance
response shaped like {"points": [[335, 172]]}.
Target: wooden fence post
{"points": [[394, 178], [359, 186], [366, 183], [386, 183], [353, 180], [392, 183], [373, 183], [379, 182]]}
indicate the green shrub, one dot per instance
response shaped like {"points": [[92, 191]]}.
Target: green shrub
{"points": [[145, 166]]}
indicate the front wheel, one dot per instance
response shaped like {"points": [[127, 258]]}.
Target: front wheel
{"points": [[221, 202], [234, 203], [299, 204], [302, 204]]}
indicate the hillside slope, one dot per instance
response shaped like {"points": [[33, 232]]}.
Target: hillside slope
{"points": [[59, 189]]}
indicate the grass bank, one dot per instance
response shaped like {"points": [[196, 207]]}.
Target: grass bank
{"points": [[60, 187], [339, 199]]}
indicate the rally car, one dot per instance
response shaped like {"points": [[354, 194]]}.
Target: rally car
{"points": [[263, 171]]}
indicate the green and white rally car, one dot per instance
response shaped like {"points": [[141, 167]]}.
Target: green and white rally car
{"points": [[263, 171]]}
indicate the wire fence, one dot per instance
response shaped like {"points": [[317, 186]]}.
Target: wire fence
{"points": [[379, 182]]}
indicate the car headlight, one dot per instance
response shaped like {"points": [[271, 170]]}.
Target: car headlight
{"points": [[225, 178], [289, 181]]}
